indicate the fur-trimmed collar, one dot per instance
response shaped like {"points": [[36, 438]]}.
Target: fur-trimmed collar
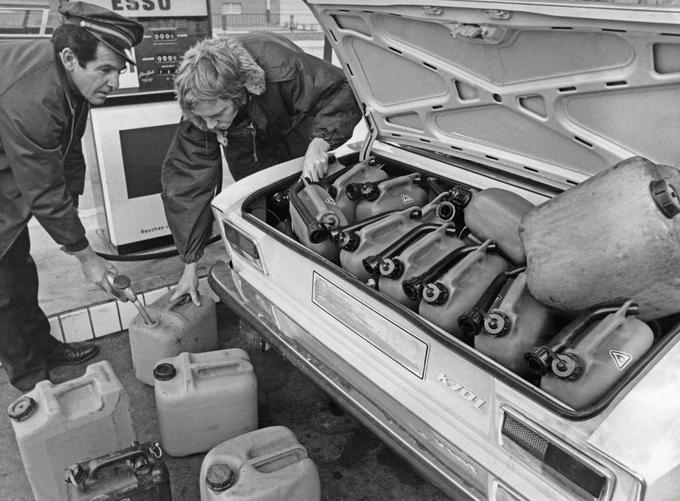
{"points": [[251, 73]]}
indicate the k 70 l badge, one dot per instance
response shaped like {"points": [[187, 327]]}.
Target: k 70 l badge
{"points": [[476, 401]]}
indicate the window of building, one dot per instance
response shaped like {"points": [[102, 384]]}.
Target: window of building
{"points": [[229, 8]]}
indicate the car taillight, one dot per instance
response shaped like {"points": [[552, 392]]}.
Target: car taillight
{"points": [[243, 245], [587, 483]]}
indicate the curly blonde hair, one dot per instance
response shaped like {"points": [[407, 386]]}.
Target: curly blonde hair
{"points": [[216, 68]]}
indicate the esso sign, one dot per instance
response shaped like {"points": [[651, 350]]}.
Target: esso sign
{"points": [[155, 8], [136, 5]]}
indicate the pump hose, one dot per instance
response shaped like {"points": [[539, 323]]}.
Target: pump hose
{"points": [[151, 255]]}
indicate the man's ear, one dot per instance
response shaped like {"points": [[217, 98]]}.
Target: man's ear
{"points": [[68, 59]]}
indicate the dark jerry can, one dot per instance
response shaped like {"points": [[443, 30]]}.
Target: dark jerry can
{"points": [[135, 473], [170, 329], [346, 188], [364, 244], [514, 324], [397, 193], [495, 214], [591, 354], [614, 237], [313, 214], [368, 237], [414, 260], [455, 284]]}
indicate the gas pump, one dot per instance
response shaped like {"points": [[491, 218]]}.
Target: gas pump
{"points": [[132, 131]]}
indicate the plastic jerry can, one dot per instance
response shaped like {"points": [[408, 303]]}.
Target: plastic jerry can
{"points": [[268, 464], [369, 239], [203, 399], [591, 354], [458, 289], [137, 472], [414, 260], [347, 187], [57, 425], [397, 193], [612, 238], [496, 214], [313, 213], [175, 327], [515, 323]]}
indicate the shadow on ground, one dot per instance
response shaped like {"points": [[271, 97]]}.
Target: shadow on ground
{"points": [[352, 462]]}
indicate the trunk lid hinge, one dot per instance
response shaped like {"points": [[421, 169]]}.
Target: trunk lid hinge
{"points": [[370, 137]]}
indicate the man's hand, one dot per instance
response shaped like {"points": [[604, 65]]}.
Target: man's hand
{"points": [[188, 284], [95, 268], [315, 164]]}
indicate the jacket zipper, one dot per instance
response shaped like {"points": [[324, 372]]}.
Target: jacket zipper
{"points": [[252, 130]]}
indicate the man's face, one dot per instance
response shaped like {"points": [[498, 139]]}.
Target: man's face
{"points": [[99, 77], [217, 114]]}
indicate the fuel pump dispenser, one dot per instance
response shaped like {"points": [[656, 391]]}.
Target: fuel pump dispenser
{"points": [[132, 131]]}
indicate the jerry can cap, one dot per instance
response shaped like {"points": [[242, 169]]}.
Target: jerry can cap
{"points": [[665, 197], [164, 372], [22, 408], [219, 477]]}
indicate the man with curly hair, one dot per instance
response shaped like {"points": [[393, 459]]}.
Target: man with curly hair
{"points": [[265, 101]]}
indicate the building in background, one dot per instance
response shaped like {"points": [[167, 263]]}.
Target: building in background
{"points": [[292, 16]]}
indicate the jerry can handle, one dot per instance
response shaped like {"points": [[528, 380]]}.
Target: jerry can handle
{"points": [[343, 232], [179, 301], [290, 455], [372, 263], [194, 368], [76, 474], [52, 405], [413, 287], [472, 320]]}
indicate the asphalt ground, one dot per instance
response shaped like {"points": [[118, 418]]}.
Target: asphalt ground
{"points": [[353, 464]]}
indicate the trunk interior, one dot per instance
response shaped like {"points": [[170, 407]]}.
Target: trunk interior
{"points": [[448, 256]]}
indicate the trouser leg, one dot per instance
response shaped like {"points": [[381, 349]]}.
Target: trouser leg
{"points": [[24, 328]]}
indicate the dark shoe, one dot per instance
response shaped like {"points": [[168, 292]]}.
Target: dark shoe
{"points": [[71, 354]]}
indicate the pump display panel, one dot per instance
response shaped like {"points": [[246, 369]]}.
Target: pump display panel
{"points": [[170, 28]]}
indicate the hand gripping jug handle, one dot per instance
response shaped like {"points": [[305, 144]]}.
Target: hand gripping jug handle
{"points": [[178, 301]]}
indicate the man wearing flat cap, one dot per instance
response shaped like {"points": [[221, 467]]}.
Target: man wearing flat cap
{"points": [[46, 89]]}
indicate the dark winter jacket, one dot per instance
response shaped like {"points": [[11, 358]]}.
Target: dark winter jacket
{"points": [[299, 98], [42, 170]]}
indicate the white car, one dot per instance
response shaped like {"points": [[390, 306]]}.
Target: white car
{"points": [[530, 98]]}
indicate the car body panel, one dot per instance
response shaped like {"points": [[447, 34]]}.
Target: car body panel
{"points": [[552, 90], [387, 360], [445, 103]]}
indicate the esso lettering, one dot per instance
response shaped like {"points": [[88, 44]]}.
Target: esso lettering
{"points": [[134, 5]]}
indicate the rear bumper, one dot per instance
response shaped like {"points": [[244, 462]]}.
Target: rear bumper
{"points": [[375, 409]]}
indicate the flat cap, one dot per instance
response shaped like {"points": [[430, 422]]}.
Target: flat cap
{"points": [[117, 32]]}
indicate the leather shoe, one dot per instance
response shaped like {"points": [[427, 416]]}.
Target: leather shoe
{"points": [[71, 354]]}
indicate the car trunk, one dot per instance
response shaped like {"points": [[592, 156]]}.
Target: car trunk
{"points": [[455, 242]]}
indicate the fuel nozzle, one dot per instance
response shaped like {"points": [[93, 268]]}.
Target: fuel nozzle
{"points": [[121, 290]]}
